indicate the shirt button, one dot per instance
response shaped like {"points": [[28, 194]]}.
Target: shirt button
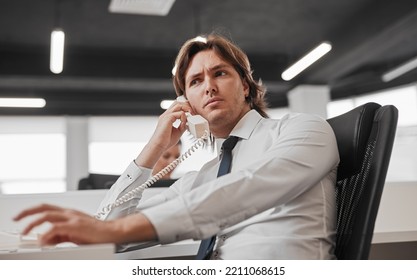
{"points": [[215, 255]]}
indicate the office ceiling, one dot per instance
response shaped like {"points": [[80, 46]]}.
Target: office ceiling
{"points": [[120, 64]]}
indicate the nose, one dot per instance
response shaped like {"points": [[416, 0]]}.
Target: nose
{"points": [[210, 91], [210, 87]]}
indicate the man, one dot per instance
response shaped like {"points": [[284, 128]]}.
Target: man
{"points": [[168, 157], [278, 200]]}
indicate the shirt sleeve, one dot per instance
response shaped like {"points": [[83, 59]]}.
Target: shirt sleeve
{"points": [[131, 178], [173, 191], [303, 152]]}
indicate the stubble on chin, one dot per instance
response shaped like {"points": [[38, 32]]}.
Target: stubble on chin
{"points": [[219, 122]]}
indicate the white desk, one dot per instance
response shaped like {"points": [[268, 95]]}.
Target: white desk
{"points": [[84, 252], [87, 201]]}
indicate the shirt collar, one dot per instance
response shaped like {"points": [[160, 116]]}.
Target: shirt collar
{"points": [[244, 128]]}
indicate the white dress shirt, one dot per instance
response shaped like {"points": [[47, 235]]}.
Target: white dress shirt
{"points": [[278, 201]]}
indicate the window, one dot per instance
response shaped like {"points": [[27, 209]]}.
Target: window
{"points": [[404, 98], [32, 155], [338, 107], [116, 141], [404, 154]]}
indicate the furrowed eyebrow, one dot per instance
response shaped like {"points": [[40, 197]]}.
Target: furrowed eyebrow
{"points": [[219, 66], [214, 68], [192, 77]]}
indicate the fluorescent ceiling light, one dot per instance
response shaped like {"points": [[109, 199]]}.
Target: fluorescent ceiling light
{"points": [[143, 7], [165, 104], [200, 39], [400, 70], [23, 102], [56, 63], [306, 61]]}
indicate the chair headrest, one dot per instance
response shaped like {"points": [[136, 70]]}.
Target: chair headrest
{"points": [[352, 130]]}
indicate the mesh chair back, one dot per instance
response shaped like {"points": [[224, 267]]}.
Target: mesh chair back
{"points": [[368, 131]]}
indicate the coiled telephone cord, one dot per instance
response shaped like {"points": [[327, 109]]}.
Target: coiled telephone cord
{"points": [[137, 192]]}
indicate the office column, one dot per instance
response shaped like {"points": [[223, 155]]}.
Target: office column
{"points": [[311, 99], [77, 150]]}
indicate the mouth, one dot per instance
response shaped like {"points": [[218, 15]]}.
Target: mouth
{"points": [[212, 101]]}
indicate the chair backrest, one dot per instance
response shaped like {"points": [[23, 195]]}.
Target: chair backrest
{"points": [[105, 181], [97, 181], [365, 137]]}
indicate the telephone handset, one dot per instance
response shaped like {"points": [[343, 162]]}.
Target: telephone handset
{"points": [[196, 124], [199, 129]]}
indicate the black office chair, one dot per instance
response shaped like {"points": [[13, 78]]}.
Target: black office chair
{"points": [[97, 181], [365, 136], [105, 181]]}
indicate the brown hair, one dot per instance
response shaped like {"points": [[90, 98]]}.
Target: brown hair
{"points": [[230, 53]]}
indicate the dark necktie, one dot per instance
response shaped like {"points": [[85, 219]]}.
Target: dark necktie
{"points": [[206, 246]]}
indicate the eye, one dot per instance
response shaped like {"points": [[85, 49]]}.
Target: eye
{"points": [[220, 73], [194, 82]]}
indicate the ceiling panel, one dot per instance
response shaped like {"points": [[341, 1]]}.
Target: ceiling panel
{"points": [[127, 58]]}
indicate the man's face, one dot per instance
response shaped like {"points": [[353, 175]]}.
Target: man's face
{"points": [[216, 92]]}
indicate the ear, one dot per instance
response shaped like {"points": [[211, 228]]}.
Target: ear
{"points": [[245, 87]]}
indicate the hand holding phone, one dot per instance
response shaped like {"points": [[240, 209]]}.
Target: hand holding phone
{"points": [[199, 128], [196, 124]]}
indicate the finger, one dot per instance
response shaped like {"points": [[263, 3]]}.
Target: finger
{"points": [[51, 217], [35, 210], [182, 106], [183, 124], [57, 234], [53, 240], [174, 116], [72, 230]]}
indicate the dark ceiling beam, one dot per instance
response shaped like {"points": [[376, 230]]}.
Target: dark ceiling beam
{"points": [[60, 83], [89, 63], [103, 96], [366, 82], [118, 63], [106, 85], [376, 31], [126, 108]]}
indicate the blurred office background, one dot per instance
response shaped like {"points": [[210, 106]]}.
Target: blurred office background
{"points": [[102, 106]]}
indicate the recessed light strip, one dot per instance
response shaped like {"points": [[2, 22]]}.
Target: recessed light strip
{"points": [[306, 61], [23, 102], [400, 70], [56, 63], [165, 104]]}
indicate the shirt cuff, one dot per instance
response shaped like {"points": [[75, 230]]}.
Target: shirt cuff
{"points": [[130, 175], [126, 182]]}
